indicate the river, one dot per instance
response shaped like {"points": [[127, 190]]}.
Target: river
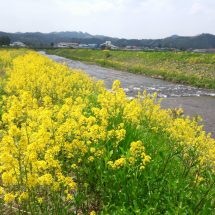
{"points": [[194, 101]]}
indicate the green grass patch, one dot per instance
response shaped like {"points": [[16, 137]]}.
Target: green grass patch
{"points": [[182, 67]]}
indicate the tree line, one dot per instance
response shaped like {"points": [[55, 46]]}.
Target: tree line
{"points": [[4, 41]]}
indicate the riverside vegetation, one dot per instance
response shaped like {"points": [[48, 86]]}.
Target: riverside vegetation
{"points": [[69, 146], [183, 67]]}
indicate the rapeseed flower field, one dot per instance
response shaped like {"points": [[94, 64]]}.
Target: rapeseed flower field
{"points": [[69, 146]]}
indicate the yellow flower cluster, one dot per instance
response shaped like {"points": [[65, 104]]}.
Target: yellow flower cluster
{"points": [[51, 125], [117, 164], [137, 150], [184, 130], [136, 156], [31, 137]]}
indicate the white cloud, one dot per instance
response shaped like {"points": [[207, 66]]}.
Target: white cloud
{"points": [[88, 7], [196, 8], [85, 8], [121, 18]]}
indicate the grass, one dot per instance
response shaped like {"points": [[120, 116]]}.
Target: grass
{"points": [[182, 67], [92, 151]]}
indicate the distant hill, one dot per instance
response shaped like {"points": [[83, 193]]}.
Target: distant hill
{"points": [[37, 39], [44, 39], [202, 41]]}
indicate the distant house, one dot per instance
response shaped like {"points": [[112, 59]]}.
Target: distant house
{"points": [[18, 44], [212, 50], [108, 45], [83, 46], [67, 45], [204, 50], [199, 50], [93, 46], [132, 48]]}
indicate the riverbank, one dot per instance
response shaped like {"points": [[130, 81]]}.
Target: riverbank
{"points": [[193, 100], [195, 69]]}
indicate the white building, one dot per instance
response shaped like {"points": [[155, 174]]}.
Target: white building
{"points": [[108, 45], [93, 46], [83, 46], [67, 45], [17, 44]]}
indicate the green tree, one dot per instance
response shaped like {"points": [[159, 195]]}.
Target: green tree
{"points": [[4, 40]]}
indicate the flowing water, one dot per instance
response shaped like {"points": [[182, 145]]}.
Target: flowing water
{"points": [[194, 101]]}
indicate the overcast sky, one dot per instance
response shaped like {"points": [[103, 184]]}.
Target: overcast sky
{"points": [[118, 18]]}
